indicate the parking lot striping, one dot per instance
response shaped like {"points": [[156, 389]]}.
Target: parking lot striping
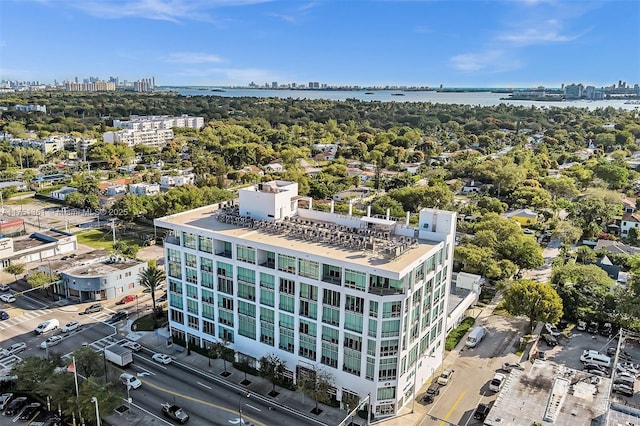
{"points": [[453, 407], [209, 404], [204, 386]]}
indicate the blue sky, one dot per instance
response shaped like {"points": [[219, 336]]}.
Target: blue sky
{"points": [[463, 43]]}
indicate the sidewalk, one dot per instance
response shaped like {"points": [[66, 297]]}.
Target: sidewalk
{"points": [[294, 400], [416, 413]]}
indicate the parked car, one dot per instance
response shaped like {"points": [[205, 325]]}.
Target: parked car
{"points": [[8, 298], [70, 326], [15, 406], [4, 316], [162, 298], [127, 299], [119, 316], [549, 339], [432, 392], [496, 383], [481, 412], [135, 347], [630, 367], [552, 329], [593, 327], [30, 411], [5, 399], [590, 367], [623, 389], [14, 349], [130, 380], [96, 307], [51, 341], [507, 366], [445, 377], [175, 413], [581, 326], [611, 351], [606, 329], [161, 358], [4, 287]]}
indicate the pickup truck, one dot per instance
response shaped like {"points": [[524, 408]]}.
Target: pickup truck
{"points": [[175, 413]]}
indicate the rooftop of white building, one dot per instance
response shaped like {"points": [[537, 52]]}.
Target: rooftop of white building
{"points": [[373, 242], [548, 393]]}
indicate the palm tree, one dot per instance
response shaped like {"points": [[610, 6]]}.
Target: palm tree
{"points": [[152, 277]]}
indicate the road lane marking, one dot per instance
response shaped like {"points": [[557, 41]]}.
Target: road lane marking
{"points": [[452, 409], [203, 385], [210, 404], [251, 406]]}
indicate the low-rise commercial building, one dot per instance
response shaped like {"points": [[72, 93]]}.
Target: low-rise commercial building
{"points": [[36, 247]]}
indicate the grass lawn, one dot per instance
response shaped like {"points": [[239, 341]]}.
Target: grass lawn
{"points": [[145, 323], [100, 239]]}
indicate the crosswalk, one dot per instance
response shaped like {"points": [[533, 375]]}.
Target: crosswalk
{"points": [[18, 316], [101, 316], [9, 361]]}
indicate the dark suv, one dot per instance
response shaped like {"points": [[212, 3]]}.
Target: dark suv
{"points": [[119, 316], [481, 412], [432, 392], [93, 308]]}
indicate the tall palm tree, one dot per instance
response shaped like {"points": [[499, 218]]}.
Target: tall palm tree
{"points": [[152, 277]]}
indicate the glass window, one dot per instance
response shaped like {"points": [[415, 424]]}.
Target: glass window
{"points": [[247, 326], [174, 256], [331, 298], [206, 280], [246, 275], [330, 334], [191, 260], [175, 270], [205, 244], [353, 322], [391, 309], [373, 309], [207, 296], [354, 304], [245, 254], [189, 240], [224, 269], [309, 292], [208, 311], [332, 274], [331, 315], [267, 315], [192, 291], [329, 354], [206, 264], [308, 309], [192, 306], [287, 286], [391, 328], [287, 303], [355, 279], [287, 263], [387, 393], [308, 268]]}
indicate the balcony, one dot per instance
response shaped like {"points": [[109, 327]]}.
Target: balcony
{"points": [[332, 279], [225, 253], [385, 291], [172, 239], [271, 264]]}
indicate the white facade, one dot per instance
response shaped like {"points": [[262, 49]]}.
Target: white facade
{"points": [[363, 298], [151, 137], [61, 194], [144, 188], [151, 122], [180, 180]]}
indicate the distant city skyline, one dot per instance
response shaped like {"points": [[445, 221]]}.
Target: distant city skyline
{"points": [[513, 43]]}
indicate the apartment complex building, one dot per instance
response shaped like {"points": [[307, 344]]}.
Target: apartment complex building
{"points": [[150, 137], [149, 122], [363, 298]]}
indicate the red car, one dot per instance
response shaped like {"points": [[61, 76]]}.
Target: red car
{"points": [[128, 298]]}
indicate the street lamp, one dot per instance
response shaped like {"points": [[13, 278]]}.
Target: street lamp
{"points": [[128, 397], [243, 396], [95, 401]]}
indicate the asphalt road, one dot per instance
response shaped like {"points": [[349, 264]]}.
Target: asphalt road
{"points": [[207, 400]]}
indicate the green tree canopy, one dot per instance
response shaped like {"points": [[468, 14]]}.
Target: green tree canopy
{"points": [[536, 301]]}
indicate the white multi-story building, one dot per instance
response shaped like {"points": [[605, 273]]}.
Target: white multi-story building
{"points": [[151, 137], [363, 298], [183, 178], [149, 122], [144, 188]]}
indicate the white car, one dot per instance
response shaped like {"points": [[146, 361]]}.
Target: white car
{"points": [[496, 383], [4, 287], [130, 380], [161, 358], [445, 377], [70, 326], [135, 347], [8, 298], [552, 330], [51, 341], [14, 349]]}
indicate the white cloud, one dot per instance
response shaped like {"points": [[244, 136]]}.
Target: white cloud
{"points": [[163, 10], [489, 61], [536, 36], [192, 58]]}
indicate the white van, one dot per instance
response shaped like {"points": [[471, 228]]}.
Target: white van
{"points": [[47, 326], [593, 357], [476, 335]]}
